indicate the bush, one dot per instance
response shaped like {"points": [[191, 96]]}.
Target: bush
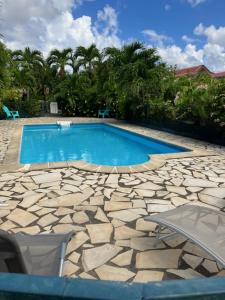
{"points": [[30, 108], [160, 110]]}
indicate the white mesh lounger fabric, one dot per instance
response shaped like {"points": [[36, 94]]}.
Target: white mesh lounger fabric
{"points": [[203, 226], [39, 254]]}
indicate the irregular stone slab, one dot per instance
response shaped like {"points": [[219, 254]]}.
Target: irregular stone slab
{"points": [[143, 225], [113, 205], [185, 274], [66, 200], [71, 188], [199, 183], [145, 193], [7, 177], [149, 186], [112, 179], [30, 230], [101, 216], [78, 240], [31, 200], [146, 243], [64, 228], [119, 198], [4, 213], [95, 257], [74, 257], [124, 215], [47, 220], [194, 249], [66, 220], [157, 201], [210, 266], [12, 204], [125, 232], [138, 203], [97, 200], [114, 273], [107, 193], [48, 177], [175, 240], [192, 260], [147, 276], [69, 268], [62, 211], [43, 211], [153, 208], [138, 211], [22, 217], [83, 207], [8, 225], [100, 233], [117, 223], [177, 201], [162, 259], [177, 190], [80, 217], [123, 259], [123, 243], [211, 200]]}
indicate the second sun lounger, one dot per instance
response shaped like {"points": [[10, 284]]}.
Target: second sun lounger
{"points": [[203, 226]]}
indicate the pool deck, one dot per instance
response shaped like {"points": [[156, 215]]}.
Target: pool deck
{"points": [[106, 209]]}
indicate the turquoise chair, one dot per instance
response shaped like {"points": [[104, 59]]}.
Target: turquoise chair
{"points": [[10, 114], [103, 113]]}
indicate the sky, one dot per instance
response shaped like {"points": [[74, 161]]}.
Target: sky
{"points": [[184, 32]]}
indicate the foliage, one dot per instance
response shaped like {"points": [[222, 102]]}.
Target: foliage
{"points": [[132, 81]]}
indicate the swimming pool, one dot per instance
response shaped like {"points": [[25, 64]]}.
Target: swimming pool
{"points": [[100, 144]]}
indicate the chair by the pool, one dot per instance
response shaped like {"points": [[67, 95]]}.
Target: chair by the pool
{"points": [[203, 226], [103, 113], [10, 114], [39, 254]]}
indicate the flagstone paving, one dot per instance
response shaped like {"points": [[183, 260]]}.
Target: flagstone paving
{"points": [[112, 240]]}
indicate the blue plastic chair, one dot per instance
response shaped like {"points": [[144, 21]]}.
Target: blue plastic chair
{"points": [[103, 113], [10, 114]]}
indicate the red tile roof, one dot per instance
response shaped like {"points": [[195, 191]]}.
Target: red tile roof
{"points": [[196, 70]]}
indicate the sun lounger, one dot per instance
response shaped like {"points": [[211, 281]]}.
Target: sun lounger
{"points": [[40, 254], [10, 114], [203, 226]]}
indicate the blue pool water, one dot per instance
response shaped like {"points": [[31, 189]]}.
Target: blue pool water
{"points": [[95, 143]]}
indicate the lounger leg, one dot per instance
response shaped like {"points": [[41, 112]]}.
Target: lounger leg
{"points": [[63, 251]]}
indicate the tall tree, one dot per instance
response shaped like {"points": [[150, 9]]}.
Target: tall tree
{"points": [[27, 58], [87, 57], [60, 59]]}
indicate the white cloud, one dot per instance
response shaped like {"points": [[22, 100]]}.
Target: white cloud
{"points": [[154, 37], [211, 54], [214, 35], [187, 39], [187, 57], [194, 3], [48, 24]]}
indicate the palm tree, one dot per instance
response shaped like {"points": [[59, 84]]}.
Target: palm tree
{"points": [[87, 57], [60, 59], [27, 58]]}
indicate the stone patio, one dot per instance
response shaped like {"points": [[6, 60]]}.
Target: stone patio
{"points": [[112, 241]]}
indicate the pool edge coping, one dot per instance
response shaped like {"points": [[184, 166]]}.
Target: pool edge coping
{"points": [[11, 161]]}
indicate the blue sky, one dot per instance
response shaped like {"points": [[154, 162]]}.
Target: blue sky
{"points": [[173, 18], [185, 32]]}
